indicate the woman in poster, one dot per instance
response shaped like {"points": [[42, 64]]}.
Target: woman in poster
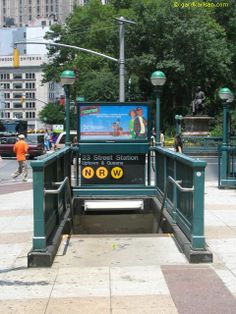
{"points": [[133, 115]]}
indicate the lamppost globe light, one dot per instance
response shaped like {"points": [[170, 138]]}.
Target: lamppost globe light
{"points": [[67, 77], [158, 78], [226, 94]]}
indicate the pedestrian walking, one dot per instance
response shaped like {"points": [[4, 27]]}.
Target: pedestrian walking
{"points": [[162, 139], [21, 149], [46, 141], [178, 144]]}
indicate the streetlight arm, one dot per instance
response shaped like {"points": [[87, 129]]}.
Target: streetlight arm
{"points": [[67, 46]]}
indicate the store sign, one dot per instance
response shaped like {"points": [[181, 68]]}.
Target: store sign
{"points": [[113, 169]]}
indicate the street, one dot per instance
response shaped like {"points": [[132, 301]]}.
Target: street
{"points": [[9, 165]]}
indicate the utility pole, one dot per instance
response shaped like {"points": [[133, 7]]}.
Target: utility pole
{"points": [[122, 22], [121, 60]]}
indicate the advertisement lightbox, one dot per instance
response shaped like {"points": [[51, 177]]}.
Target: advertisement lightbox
{"points": [[113, 121]]}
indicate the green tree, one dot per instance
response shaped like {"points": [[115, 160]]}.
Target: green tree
{"points": [[192, 46], [52, 114]]}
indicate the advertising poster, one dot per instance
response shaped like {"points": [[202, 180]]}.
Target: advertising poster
{"points": [[114, 122], [112, 169]]}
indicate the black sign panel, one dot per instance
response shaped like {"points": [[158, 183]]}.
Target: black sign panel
{"points": [[113, 169]]}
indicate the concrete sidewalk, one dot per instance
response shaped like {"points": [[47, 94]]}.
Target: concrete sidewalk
{"points": [[119, 274]]}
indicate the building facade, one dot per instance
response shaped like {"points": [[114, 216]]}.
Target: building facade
{"points": [[36, 12], [24, 93]]}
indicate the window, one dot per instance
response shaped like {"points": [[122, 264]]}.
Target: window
{"points": [[17, 115], [17, 76], [51, 85], [29, 95], [17, 95], [17, 105], [17, 85], [30, 75], [7, 115], [30, 104], [30, 115], [7, 95], [29, 85], [6, 86], [7, 105], [4, 76]]}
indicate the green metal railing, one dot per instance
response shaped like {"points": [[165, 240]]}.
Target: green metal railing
{"points": [[185, 209], [53, 200], [203, 144], [50, 202], [227, 166]]}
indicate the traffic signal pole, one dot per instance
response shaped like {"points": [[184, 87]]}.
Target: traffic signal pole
{"points": [[121, 59]]}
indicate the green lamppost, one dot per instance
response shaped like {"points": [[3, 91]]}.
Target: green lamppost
{"points": [[178, 119], [158, 79], [226, 97], [67, 78]]}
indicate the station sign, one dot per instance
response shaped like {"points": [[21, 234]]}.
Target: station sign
{"points": [[113, 169]]}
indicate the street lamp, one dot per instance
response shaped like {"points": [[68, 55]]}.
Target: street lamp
{"points": [[178, 119], [227, 97], [158, 79], [67, 78]]}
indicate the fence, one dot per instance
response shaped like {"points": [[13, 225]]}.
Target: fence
{"points": [[51, 198], [53, 203], [227, 166], [185, 205]]}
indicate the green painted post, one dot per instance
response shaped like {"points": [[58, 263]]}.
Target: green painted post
{"points": [[197, 237], [224, 159], [39, 237], [67, 141], [174, 194], [67, 78], [227, 97], [158, 92]]}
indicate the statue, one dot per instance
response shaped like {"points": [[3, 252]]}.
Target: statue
{"points": [[198, 103]]}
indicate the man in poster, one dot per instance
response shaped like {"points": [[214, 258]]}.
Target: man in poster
{"points": [[140, 124]]}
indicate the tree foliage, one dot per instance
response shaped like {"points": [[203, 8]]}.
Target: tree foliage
{"points": [[52, 114], [193, 46]]}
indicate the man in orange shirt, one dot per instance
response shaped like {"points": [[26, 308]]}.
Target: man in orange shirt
{"points": [[21, 149]]}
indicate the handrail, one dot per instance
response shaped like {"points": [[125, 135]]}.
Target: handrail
{"points": [[66, 182], [177, 184]]}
